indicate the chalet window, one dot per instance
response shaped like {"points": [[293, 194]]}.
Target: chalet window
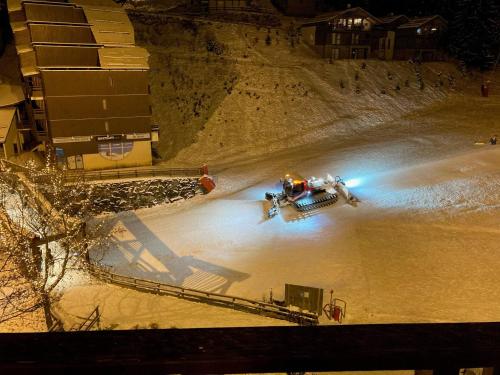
{"points": [[357, 21], [336, 38], [355, 39], [115, 150], [419, 31]]}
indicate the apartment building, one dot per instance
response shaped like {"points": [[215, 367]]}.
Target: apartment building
{"points": [[85, 82]]}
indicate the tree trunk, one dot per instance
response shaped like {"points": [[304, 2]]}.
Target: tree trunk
{"points": [[47, 310]]}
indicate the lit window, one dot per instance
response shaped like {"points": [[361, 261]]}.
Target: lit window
{"points": [[115, 150], [357, 21], [419, 31]]}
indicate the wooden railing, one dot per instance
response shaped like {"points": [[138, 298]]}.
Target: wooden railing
{"points": [[112, 174], [222, 300], [89, 322]]}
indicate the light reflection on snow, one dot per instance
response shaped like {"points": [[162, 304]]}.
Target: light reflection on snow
{"points": [[353, 182]]}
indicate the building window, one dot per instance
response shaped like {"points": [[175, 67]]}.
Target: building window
{"points": [[419, 31], [355, 38], [357, 21], [40, 126], [336, 38], [115, 150]]}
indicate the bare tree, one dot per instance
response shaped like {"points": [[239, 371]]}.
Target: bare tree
{"points": [[43, 236]]}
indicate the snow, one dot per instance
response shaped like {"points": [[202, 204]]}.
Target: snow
{"points": [[407, 253], [420, 247], [128, 309]]}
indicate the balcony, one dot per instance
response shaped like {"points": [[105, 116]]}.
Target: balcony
{"points": [[39, 114], [443, 347]]}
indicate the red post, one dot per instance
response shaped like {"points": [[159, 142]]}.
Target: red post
{"points": [[337, 311], [484, 90], [204, 169]]}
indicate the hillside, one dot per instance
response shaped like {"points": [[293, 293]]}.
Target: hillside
{"points": [[257, 98]]}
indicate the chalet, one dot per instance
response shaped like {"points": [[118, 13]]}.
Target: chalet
{"points": [[420, 38], [356, 34], [385, 35], [86, 83], [344, 34], [296, 8]]}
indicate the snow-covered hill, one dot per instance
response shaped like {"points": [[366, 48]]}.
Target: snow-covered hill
{"points": [[257, 98]]}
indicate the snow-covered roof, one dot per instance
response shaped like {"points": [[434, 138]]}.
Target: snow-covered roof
{"points": [[390, 19], [99, 23], [125, 57], [419, 22], [110, 26], [339, 14], [10, 94], [6, 116]]}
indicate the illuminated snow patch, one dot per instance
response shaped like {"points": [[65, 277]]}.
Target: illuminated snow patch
{"points": [[457, 194], [353, 182]]}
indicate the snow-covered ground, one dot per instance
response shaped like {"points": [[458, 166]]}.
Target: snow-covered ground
{"points": [[421, 247]]}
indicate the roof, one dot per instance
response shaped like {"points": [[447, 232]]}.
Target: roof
{"points": [[6, 115], [97, 3], [101, 24], [10, 94], [110, 26], [337, 14], [125, 57], [13, 5], [27, 60], [421, 21], [390, 19]]}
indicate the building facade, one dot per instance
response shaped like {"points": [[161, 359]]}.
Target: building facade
{"points": [[86, 83], [421, 39], [356, 34], [346, 34]]}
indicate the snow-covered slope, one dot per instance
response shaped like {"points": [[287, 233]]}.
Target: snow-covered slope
{"points": [[257, 98]]}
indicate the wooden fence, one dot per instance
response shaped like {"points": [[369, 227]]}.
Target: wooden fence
{"points": [[233, 302], [113, 174]]}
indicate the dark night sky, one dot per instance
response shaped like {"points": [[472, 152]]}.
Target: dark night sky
{"points": [[408, 7]]}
